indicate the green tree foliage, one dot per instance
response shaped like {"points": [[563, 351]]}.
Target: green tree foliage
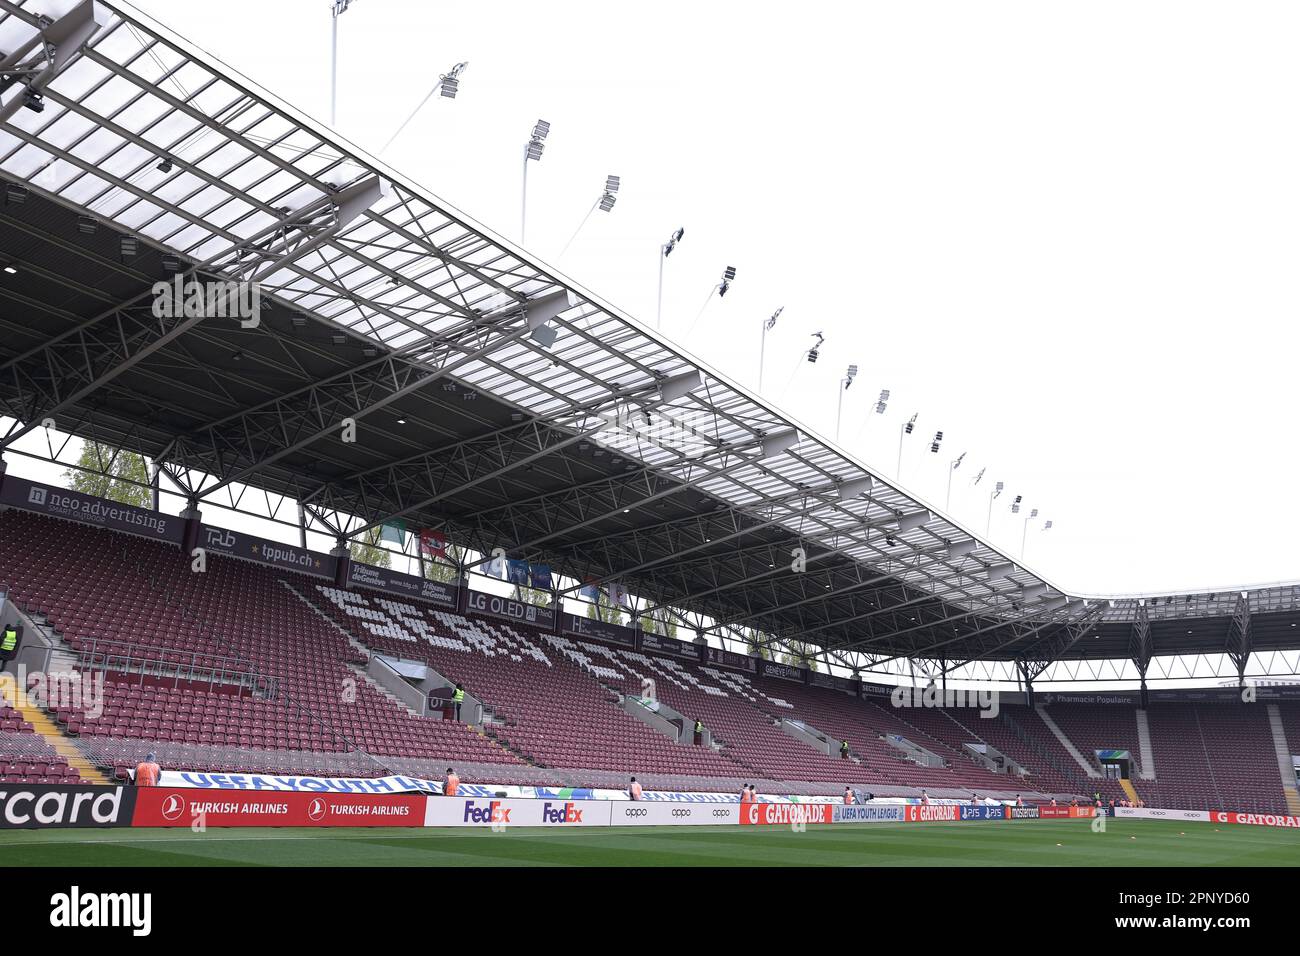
{"points": [[533, 596], [605, 610], [366, 550], [663, 628], [799, 653], [108, 472], [446, 573]]}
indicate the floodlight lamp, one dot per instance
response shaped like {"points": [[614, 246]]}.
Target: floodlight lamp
{"points": [[957, 462], [997, 489], [1033, 513], [33, 100], [1048, 525], [911, 423], [1015, 505], [768, 324], [536, 145], [729, 274], [849, 376], [450, 81], [610, 196]]}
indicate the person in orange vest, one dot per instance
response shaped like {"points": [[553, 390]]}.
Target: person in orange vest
{"points": [[147, 772], [925, 799], [848, 794], [452, 785], [634, 790]]}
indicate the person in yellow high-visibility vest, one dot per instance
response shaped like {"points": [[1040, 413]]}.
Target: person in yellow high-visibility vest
{"points": [[457, 699], [8, 644]]}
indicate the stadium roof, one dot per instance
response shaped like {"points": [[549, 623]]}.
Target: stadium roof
{"points": [[492, 397]]}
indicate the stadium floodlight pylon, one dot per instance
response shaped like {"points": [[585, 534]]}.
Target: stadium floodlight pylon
{"points": [[337, 9], [993, 495], [845, 383], [903, 432], [448, 83], [952, 470], [768, 325], [533, 150], [728, 276], [665, 251], [605, 202]]}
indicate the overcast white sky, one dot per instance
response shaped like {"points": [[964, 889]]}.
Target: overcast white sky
{"points": [[1064, 233]]}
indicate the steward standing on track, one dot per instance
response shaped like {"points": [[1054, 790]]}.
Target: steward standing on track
{"points": [[147, 772], [634, 790], [452, 785]]}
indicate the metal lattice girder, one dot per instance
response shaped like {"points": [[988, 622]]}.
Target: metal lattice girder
{"points": [[1021, 628], [788, 512], [53, 47], [1240, 644], [1140, 638], [1058, 641], [261, 436], [73, 365]]}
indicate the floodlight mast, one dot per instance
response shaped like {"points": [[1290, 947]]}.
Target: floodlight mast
{"points": [[762, 345], [665, 251], [903, 432], [533, 150], [1024, 534], [448, 83], [845, 382], [997, 491], [605, 202], [952, 470], [337, 9], [721, 287]]}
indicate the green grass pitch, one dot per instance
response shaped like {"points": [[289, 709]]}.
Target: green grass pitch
{"points": [[1007, 843]]}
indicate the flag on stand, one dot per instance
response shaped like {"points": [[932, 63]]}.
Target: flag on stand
{"points": [[433, 543], [393, 532], [517, 572]]}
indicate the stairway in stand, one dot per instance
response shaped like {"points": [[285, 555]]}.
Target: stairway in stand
{"points": [[49, 731]]}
